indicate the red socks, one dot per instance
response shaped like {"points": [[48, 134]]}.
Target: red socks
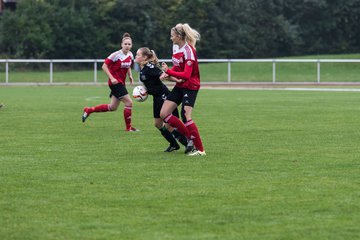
{"points": [[189, 129], [99, 108], [179, 125], [127, 117], [106, 108], [195, 136]]}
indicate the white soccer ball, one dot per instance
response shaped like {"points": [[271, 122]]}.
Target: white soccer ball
{"points": [[140, 94]]}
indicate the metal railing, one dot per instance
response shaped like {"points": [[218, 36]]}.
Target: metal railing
{"points": [[228, 61]]}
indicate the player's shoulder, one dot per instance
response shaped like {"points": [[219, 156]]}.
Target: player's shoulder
{"points": [[189, 52], [115, 55], [130, 54], [120, 55]]}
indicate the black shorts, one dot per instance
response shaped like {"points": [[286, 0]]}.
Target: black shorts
{"points": [[158, 101], [183, 96], [118, 91]]}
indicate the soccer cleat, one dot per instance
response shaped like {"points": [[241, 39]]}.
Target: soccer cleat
{"points": [[132, 129], [196, 152], [189, 146], [85, 115], [172, 148]]}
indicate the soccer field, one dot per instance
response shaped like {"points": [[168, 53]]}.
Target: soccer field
{"points": [[279, 165]]}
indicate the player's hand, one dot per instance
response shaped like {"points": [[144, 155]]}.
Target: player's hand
{"points": [[164, 67], [178, 80], [131, 80], [164, 76], [114, 81]]}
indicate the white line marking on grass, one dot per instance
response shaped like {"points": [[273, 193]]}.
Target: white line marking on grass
{"points": [[92, 98]]}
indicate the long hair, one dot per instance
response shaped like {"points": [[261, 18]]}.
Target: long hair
{"points": [[150, 56], [187, 33]]}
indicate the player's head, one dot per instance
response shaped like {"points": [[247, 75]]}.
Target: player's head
{"points": [[126, 42], [144, 55], [183, 32]]}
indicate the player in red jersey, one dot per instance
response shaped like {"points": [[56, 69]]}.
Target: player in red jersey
{"points": [[116, 67], [185, 67]]}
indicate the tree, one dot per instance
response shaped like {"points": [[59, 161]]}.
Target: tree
{"points": [[228, 28], [23, 36]]}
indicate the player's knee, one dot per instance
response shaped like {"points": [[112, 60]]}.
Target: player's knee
{"points": [[158, 125], [113, 108], [128, 104], [127, 101], [163, 114]]}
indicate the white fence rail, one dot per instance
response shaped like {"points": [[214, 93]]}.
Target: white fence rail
{"points": [[228, 61]]}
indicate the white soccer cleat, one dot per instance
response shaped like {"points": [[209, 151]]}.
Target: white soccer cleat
{"points": [[196, 153]]}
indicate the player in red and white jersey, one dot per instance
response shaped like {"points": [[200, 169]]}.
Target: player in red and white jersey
{"points": [[185, 67], [116, 67]]}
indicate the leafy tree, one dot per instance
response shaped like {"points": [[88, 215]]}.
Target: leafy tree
{"points": [[228, 28], [26, 37], [325, 26]]}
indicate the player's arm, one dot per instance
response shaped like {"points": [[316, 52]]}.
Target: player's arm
{"points": [[185, 75], [105, 68], [130, 76], [165, 67], [167, 77]]}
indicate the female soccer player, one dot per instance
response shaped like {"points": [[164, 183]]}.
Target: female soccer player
{"points": [[185, 67], [150, 75], [116, 67]]}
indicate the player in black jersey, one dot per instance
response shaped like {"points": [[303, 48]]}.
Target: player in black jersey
{"points": [[150, 76]]}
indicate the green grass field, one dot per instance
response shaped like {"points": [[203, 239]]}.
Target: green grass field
{"points": [[279, 165], [210, 72]]}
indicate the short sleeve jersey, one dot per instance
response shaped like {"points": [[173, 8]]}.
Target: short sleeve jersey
{"points": [[118, 64], [182, 56], [150, 76]]}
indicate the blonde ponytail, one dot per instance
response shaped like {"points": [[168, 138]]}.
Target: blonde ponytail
{"points": [[189, 34]]}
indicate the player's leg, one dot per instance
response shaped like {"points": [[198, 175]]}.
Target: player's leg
{"points": [[116, 92], [114, 103], [168, 117], [159, 124], [181, 138], [128, 113], [173, 100], [188, 104], [158, 102]]}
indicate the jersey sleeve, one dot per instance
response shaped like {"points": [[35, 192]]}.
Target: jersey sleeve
{"points": [[186, 74], [108, 61]]}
